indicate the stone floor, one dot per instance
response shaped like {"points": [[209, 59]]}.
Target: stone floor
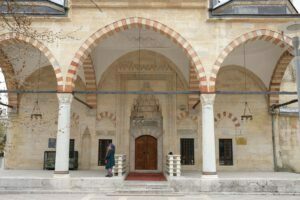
{"points": [[94, 196], [92, 181], [247, 175], [186, 174], [49, 174]]}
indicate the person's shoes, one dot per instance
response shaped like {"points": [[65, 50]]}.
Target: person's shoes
{"points": [[107, 175], [110, 175]]}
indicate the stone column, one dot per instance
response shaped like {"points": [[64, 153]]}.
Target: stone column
{"points": [[63, 134], [208, 136]]}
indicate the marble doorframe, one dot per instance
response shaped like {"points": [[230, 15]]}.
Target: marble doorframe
{"points": [[167, 124]]}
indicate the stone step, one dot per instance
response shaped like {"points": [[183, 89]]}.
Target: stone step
{"points": [[144, 193], [165, 189]]}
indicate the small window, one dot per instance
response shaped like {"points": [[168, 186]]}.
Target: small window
{"points": [[52, 143], [187, 151], [225, 152], [102, 151]]}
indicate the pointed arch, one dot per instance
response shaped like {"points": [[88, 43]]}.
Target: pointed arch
{"points": [[134, 22], [229, 116], [90, 80], [16, 38], [277, 76], [10, 80], [276, 38]]}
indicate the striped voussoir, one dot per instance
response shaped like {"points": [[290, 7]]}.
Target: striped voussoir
{"points": [[10, 79], [90, 79], [273, 37], [15, 38], [228, 115], [128, 23], [108, 115], [193, 86], [277, 76], [184, 114]]}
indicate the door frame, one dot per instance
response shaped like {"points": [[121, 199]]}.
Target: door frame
{"points": [[157, 134]]}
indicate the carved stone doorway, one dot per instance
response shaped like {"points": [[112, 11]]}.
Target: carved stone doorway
{"points": [[146, 133], [146, 153]]}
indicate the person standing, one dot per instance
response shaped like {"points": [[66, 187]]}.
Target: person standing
{"points": [[110, 159]]}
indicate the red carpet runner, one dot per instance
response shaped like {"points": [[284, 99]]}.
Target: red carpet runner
{"points": [[134, 176]]}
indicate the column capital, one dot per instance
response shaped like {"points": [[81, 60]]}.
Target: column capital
{"points": [[207, 99], [65, 98]]}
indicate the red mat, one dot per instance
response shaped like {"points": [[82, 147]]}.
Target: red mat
{"points": [[134, 176]]}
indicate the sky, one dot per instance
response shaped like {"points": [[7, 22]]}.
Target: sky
{"points": [[297, 4], [61, 2]]}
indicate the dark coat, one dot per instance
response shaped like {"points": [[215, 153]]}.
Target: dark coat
{"points": [[110, 159]]}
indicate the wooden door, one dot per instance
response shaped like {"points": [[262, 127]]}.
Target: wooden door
{"points": [[146, 153]]}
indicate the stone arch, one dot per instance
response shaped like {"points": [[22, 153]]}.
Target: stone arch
{"points": [[107, 115], [228, 115], [185, 114], [9, 76], [134, 22], [276, 38], [277, 76], [16, 38], [90, 80]]}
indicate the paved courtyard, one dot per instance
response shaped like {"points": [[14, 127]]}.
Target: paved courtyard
{"points": [[103, 197]]}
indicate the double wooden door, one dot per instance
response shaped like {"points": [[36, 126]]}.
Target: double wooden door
{"points": [[146, 153]]}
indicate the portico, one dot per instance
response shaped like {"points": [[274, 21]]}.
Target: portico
{"points": [[149, 85]]}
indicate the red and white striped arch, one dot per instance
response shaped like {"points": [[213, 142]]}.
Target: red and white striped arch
{"points": [[15, 38], [90, 79], [128, 23], [228, 115], [10, 79], [277, 76], [276, 38]]}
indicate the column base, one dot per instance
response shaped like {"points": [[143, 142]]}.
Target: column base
{"points": [[209, 175], [61, 174]]}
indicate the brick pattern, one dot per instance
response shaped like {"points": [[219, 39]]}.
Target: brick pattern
{"points": [[106, 114], [228, 115], [277, 39], [185, 114], [193, 86], [277, 76], [15, 38], [124, 24], [90, 79], [10, 79]]}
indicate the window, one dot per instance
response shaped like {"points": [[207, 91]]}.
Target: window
{"points": [[51, 142], [187, 151], [72, 145], [225, 152], [102, 151]]}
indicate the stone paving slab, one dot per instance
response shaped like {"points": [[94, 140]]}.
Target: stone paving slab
{"points": [[94, 196]]}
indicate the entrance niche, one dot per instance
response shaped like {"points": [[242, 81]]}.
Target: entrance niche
{"points": [[146, 133]]}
